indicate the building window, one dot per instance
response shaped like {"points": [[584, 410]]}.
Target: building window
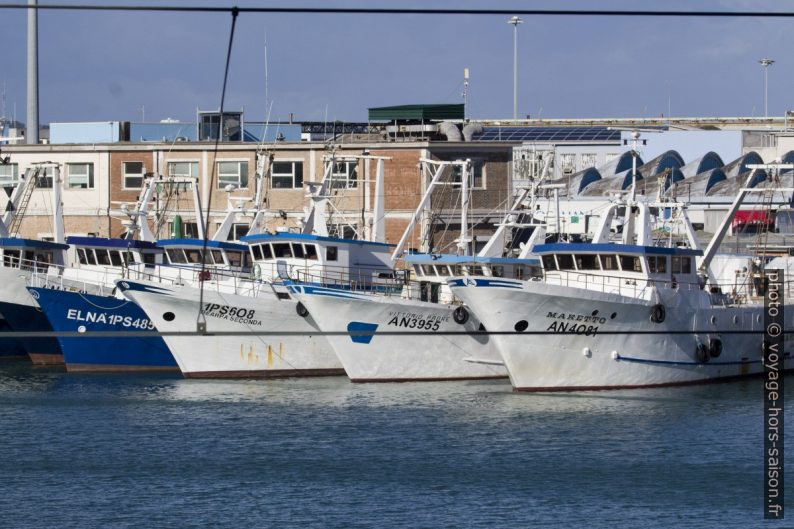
{"points": [[232, 173], [286, 175], [237, 232], [476, 174], [344, 174], [588, 160], [133, 175], [9, 174], [189, 230], [184, 169], [80, 175], [568, 163]]}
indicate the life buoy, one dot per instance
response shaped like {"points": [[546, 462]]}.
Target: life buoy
{"points": [[301, 310], [715, 347], [204, 275], [658, 313], [460, 315], [702, 353], [256, 272]]}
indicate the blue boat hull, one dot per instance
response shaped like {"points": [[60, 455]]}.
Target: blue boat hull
{"points": [[10, 347], [30, 319], [74, 311]]}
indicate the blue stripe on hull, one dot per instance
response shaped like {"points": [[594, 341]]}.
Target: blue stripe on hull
{"points": [[68, 311], [24, 318]]}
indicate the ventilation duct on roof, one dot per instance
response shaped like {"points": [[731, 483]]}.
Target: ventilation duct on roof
{"points": [[450, 130], [470, 130]]}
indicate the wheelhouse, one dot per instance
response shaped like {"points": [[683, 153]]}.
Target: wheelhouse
{"points": [[438, 268], [105, 252], [31, 254], [657, 264], [220, 254], [316, 258]]}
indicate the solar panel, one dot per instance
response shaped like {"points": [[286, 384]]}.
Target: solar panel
{"points": [[513, 134]]}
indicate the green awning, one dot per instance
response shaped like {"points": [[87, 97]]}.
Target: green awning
{"points": [[417, 113]]}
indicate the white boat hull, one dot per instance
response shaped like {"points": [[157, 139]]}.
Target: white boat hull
{"points": [[253, 353], [578, 339], [418, 352]]}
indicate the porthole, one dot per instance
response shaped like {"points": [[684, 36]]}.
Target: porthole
{"points": [[713, 320], [521, 326], [169, 316], [614, 314]]}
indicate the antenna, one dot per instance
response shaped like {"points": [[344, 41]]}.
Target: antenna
{"points": [[465, 89], [266, 87]]}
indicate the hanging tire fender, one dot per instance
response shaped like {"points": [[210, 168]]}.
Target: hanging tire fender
{"points": [[715, 347], [460, 315], [301, 309], [658, 313]]}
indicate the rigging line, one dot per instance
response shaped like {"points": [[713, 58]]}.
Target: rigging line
{"points": [[200, 320], [405, 11]]}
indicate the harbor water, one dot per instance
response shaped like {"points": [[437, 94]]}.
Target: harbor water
{"points": [[161, 451]]}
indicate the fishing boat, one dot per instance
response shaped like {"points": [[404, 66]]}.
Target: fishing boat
{"points": [[23, 258], [82, 299], [253, 327], [636, 312], [417, 330]]}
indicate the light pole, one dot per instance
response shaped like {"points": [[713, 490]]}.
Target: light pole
{"points": [[766, 63], [515, 21]]}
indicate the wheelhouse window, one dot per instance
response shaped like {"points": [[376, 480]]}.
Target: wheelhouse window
{"points": [[256, 252], [9, 174], [681, 265], [297, 250], [282, 250], [233, 173], [311, 251], [657, 264], [132, 175], [115, 258], [11, 258], [518, 272], [344, 174], [286, 174], [193, 256], [102, 257], [176, 256], [80, 175], [331, 253], [548, 262], [236, 259], [428, 270], [498, 271], [587, 262], [609, 262], [630, 263], [217, 257], [81, 256], [565, 261]]}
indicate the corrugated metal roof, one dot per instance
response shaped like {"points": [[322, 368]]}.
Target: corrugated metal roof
{"points": [[417, 112]]}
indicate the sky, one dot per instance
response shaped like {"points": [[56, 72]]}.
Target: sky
{"points": [[107, 66]]}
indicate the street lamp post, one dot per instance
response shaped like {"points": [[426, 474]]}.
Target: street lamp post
{"points": [[515, 21], [766, 63]]}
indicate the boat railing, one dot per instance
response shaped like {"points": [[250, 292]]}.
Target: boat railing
{"points": [[747, 289], [364, 279]]}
